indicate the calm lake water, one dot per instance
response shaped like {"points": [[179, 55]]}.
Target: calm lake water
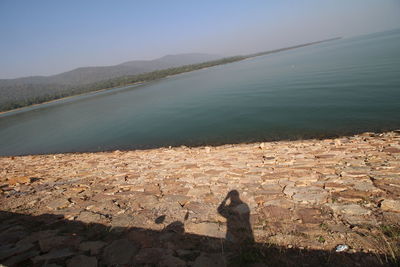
{"points": [[340, 87]]}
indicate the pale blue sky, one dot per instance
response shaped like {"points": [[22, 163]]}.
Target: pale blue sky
{"points": [[47, 37]]}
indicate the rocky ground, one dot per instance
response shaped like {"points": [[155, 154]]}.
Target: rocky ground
{"points": [[295, 202]]}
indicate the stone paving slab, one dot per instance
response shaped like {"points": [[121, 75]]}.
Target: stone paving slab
{"points": [[309, 195]]}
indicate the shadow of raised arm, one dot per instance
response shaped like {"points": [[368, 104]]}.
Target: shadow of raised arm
{"points": [[223, 208]]}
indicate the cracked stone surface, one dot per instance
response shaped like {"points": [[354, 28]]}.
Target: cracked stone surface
{"points": [[163, 206]]}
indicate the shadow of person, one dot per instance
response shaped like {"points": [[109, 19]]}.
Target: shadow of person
{"points": [[237, 214]]}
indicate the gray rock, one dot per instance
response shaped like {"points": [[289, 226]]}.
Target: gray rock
{"points": [[148, 201], [82, 260], [206, 229], [309, 194], [151, 255], [122, 220], [36, 236], [6, 252], [54, 254], [354, 214], [94, 247], [120, 251], [50, 243], [390, 205], [209, 260], [349, 209], [60, 203], [21, 257], [171, 261], [11, 237], [88, 217], [189, 255], [199, 191]]}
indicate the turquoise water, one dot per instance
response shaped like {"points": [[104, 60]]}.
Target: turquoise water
{"points": [[340, 87]]}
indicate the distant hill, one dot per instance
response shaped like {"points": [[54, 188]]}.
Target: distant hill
{"points": [[87, 75]]}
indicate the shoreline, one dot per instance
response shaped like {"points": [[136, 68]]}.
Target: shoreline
{"points": [[311, 138]]}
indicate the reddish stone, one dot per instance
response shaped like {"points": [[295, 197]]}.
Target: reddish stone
{"points": [[352, 195], [19, 180], [391, 150], [310, 215]]}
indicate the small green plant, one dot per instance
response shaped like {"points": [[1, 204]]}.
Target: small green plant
{"points": [[321, 239], [324, 226], [391, 231]]}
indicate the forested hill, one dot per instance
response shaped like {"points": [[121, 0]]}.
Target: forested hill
{"points": [[87, 75]]}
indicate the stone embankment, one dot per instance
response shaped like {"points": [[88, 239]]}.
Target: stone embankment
{"points": [[293, 202]]}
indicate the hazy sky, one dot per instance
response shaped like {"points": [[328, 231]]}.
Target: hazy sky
{"points": [[47, 37]]}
